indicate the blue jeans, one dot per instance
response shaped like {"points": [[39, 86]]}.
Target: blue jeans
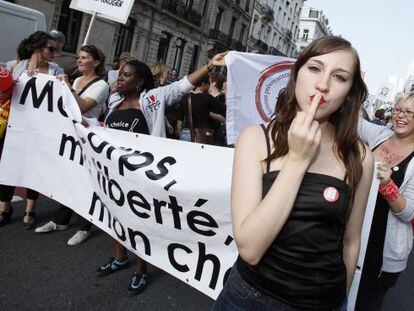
{"points": [[186, 135], [237, 295]]}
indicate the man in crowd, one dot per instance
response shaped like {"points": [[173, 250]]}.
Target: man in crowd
{"points": [[379, 117]]}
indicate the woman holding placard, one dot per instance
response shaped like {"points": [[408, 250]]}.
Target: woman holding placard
{"points": [[90, 92], [35, 55], [139, 107]]}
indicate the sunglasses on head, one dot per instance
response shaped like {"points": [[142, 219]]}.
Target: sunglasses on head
{"points": [[52, 48]]}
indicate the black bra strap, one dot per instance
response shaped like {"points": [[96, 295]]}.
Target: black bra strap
{"points": [[268, 147], [88, 85]]}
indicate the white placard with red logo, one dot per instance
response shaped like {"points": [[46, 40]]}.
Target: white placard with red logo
{"points": [[254, 82], [116, 10]]}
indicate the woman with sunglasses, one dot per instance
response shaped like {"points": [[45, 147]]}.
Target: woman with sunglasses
{"points": [[391, 235], [90, 92], [35, 55]]}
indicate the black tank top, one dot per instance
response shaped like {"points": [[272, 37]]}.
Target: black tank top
{"points": [[131, 120], [303, 267], [375, 247]]}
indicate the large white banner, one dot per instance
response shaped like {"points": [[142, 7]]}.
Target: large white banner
{"points": [[167, 201], [116, 10], [253, 85]]}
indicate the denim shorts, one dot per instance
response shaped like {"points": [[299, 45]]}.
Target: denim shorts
{"points": [[237, 295]]}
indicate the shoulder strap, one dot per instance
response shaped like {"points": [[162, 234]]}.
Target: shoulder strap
{"points": [[88, 85], [267, 145], [190, 114]]}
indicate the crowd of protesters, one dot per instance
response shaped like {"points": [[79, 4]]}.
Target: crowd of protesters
{"points": [[119, 94], [300, 182]]}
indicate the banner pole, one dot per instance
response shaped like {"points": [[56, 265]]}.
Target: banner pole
{"points": [[89, 28]]}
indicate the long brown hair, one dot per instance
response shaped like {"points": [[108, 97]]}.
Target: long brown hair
{"points": [[345, 119]]}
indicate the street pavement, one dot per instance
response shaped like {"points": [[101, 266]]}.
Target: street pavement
{"points": [[41, 272]]}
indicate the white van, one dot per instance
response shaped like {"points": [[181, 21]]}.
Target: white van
{"points": [[16, 23]]}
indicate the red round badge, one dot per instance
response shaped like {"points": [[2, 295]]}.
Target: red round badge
{"points": [[331, 194]]}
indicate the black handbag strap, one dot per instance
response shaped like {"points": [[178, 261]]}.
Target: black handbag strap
{"points": [[190, 116], [88, 85]]}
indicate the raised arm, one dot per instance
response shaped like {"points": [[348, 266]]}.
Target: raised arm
{"points": [[403, 205], [217, 60]]}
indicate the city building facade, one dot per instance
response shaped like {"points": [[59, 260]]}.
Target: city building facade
{"points": [[275, 27], [179, 33], [312, 25]]}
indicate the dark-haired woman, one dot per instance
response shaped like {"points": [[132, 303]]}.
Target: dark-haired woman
{"points": [[90, 92], [35, 54], [140, 106], [299, 190]]}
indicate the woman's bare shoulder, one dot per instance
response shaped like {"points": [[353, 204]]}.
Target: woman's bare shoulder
{"points": [[253, 138]]}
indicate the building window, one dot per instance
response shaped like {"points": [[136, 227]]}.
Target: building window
{"points": [[218, 19], [199, 6], [69, 23], [233, 23], [179, 52], [305, 34], [269, 31], [242, 31], [194, 58], [261, 31], [163, 47], [247, 8], [125, 35]]}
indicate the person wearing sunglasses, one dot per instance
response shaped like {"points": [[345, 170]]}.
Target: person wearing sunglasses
{"points": [[391, 235], [34, 55]]}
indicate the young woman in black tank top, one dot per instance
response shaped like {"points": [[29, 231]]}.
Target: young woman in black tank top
{"points": [[300, 186]]}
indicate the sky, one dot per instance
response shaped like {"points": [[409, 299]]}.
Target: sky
{"points": [[381, 31]]}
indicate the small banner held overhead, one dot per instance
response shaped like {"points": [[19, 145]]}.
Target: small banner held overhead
{"points": [[116, 10]]}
